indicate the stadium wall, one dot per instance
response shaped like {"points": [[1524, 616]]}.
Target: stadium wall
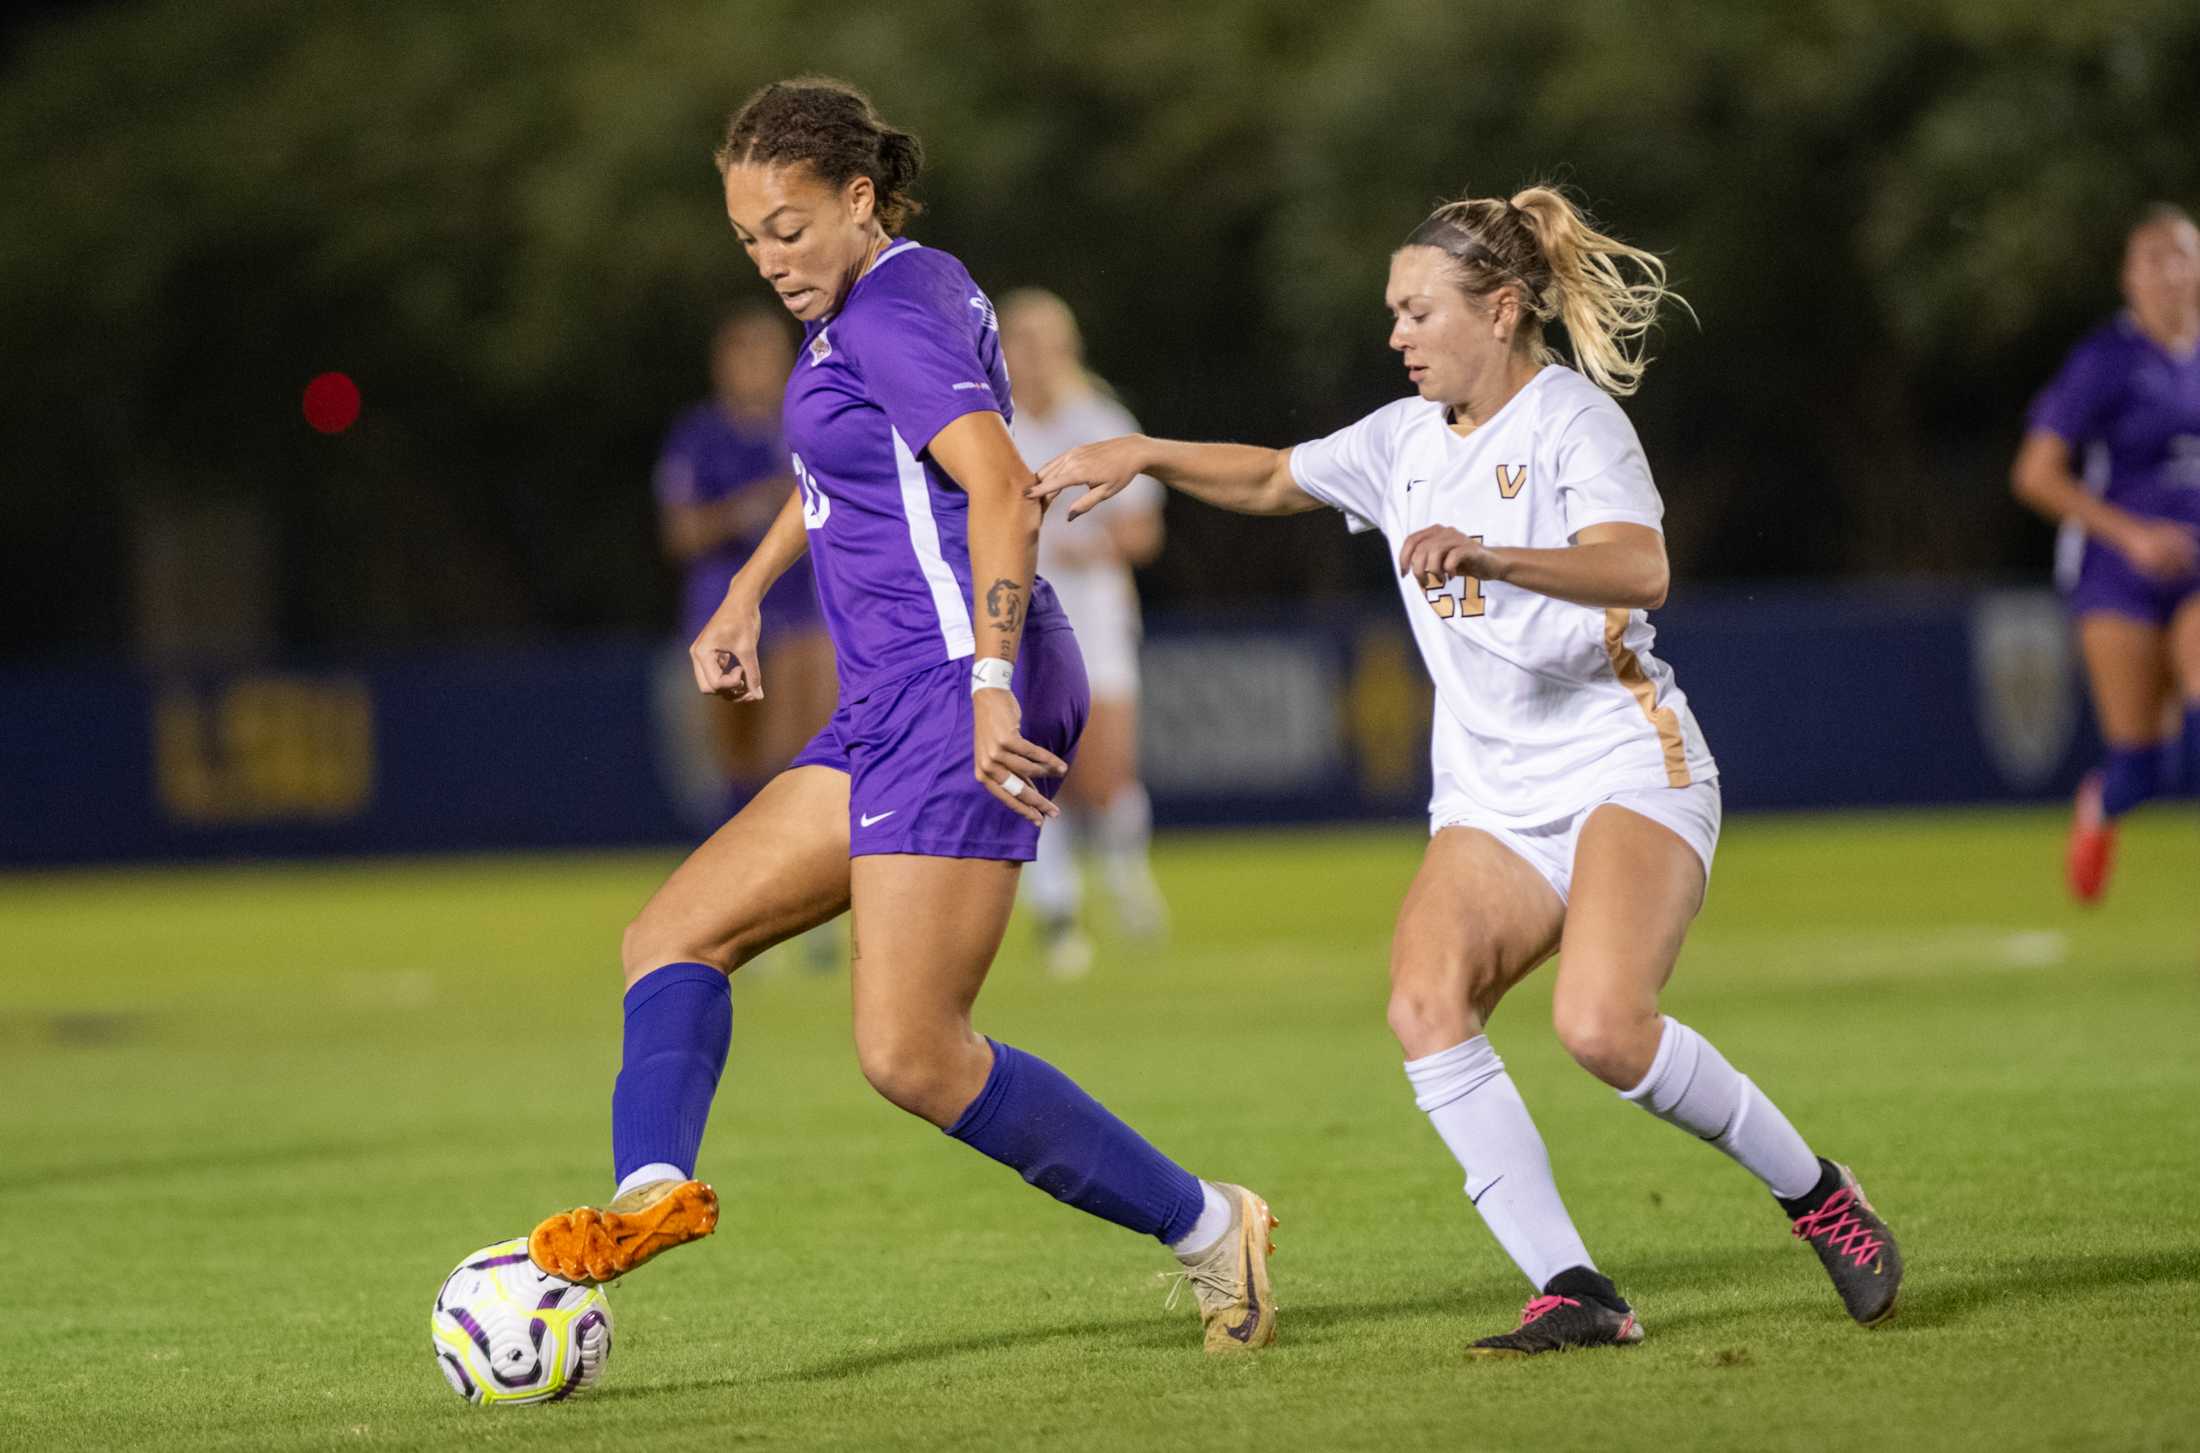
{"points": [[1810, 698]]}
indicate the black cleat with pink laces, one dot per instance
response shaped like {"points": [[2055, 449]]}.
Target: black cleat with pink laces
{"points": [[1579, 1308], [1852, 1243]]}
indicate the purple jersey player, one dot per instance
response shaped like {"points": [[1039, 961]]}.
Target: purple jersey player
{"points": [[2112, 452], [961, 698], [721, 480]]}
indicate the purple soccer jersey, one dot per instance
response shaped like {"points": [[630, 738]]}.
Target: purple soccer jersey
{"points": [[708, 457], [915, 347], [2130, 413]]}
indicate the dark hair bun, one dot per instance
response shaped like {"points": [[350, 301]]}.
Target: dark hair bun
{"points": [[833, 128]]}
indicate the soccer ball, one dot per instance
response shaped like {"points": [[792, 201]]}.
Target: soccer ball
{"points": [[507, 1332]]}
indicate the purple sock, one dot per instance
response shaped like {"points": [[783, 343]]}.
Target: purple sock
{"points": [[2192, 749], [2129, 777], [679, 1022], [1031, 1118]]}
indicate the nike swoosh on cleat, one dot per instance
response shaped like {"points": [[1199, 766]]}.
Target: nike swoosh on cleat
{"points": [[867, 819], [1243, 1332]]}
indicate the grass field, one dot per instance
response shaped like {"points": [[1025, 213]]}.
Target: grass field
{"points": [[249, 1117]]}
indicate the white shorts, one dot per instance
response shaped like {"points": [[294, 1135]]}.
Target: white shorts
{"points": [[1104, 611], [1692, 812]]}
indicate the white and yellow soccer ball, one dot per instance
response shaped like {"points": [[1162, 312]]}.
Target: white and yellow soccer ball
{"points": [[507, 1332]]}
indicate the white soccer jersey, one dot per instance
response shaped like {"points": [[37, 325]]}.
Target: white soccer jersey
{"points": [[1542, 706], [1078, 558]]}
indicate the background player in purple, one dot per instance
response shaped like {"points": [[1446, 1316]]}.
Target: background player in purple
{"points": [[2112, 452], [721, 481], [918, 804]]}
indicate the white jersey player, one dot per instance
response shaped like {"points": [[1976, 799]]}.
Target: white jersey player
{"points": [[1576, 806], [1059, 405]]}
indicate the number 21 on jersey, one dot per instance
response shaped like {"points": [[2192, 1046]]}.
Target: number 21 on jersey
{"points": [[1456, 598]]}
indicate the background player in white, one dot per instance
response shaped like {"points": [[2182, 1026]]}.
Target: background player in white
{"points": [[1576, 806], [1059, 405]]}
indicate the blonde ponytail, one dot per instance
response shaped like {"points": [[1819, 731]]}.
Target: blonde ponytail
{"points": [[1606, 293]]}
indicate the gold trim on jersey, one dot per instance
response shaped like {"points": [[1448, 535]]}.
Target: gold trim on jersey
{"points": [[1627, 666]]}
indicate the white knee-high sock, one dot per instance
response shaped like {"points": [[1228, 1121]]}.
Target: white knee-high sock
{"points": [[1052, 880], [1472, 1103], [1123, 835], [1691, 1085], [1126, 825]]}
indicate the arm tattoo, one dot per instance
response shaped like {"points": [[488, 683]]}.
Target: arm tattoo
{"points": [[1004, 606]]}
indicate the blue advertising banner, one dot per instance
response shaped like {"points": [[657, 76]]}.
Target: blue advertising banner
{"points": [[1810, 698]]}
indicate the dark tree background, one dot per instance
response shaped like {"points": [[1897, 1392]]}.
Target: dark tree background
{"points": [[503, 221]]}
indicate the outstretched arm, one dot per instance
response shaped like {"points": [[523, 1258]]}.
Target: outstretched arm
{"points": [[1243, 478]]}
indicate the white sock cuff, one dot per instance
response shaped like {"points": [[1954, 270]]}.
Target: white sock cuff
{"points": [[1127, 821], [1214, 1220], [1690, 1084], [1051, 883], [1660, 1062], [1452, 1074], [654, 1171]]}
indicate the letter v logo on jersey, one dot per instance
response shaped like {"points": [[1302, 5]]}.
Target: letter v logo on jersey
{"points": [[1510, 479]]}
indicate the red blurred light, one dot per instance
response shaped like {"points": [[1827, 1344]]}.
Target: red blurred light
{"points": [[332, 403]]}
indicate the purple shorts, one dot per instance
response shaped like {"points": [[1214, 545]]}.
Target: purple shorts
{"points": [[2107, 582], [906, 749]]}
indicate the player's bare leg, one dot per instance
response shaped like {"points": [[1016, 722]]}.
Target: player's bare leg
{"points": [[1477, 920], [1637, 885], [780, 866], [803, 693], [2128, 671], [1104, 810], [1119, 815], [926, 930]]}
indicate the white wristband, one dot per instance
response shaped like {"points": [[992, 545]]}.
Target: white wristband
{"points": [[990, 673]]}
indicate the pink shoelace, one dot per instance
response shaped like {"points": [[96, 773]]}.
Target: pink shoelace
{"points": [[1837, 1225], [1541, 1306]]}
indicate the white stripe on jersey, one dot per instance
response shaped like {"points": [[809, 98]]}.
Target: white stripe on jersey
{"points": [[924, 539], [2070, 535], [905, 245]]}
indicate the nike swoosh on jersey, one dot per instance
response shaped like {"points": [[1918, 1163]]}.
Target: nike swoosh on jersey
{"points": [[867, 819]]}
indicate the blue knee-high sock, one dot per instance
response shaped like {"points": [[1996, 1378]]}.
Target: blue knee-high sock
{"points": [[679, 1022], [2129, 777], [1033, 1119]]}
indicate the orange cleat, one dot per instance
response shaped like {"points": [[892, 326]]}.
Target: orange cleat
{"points": [[2092, 849], [590, 1245]]}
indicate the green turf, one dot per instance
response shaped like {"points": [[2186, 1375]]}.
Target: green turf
{"points": [[249, 1117]]}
